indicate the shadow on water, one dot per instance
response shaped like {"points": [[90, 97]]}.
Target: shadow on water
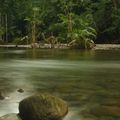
{"points": [[87, 80]]}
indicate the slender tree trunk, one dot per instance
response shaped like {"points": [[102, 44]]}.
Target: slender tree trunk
{"points": [[3, 25], [70, 27], [43, 35], [6, 28], [33, 33], [115, 3], [0, 25], [70, 23], [33, 30]]}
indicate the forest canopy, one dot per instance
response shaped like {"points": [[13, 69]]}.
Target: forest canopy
{"points": [[66, 20]]}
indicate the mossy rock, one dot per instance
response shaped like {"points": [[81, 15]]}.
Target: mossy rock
{"points": [[42, 107]]}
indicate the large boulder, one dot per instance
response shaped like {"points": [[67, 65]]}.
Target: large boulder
{"points": [[11, 116], [42, 107]]}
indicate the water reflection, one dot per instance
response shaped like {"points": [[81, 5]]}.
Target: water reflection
{"points": [[82, 78]]}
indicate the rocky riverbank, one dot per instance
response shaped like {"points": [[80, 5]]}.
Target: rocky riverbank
{"points": [[63, 46], [42, 46]]}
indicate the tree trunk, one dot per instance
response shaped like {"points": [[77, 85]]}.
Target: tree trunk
{"points": [[3, 25], [6, 28], [34, 31], [115, 2], [0, 25], [70, 23]]}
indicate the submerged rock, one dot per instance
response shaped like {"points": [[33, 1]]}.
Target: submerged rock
{"points": [[111, 102], [106, 111], [43, 107], [20, 90], [11, 116], [2, 97]]}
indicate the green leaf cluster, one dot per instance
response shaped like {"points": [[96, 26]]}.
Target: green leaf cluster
{"points": [[67, 20]]}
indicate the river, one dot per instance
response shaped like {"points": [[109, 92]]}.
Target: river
{"points": [[88, 80]]}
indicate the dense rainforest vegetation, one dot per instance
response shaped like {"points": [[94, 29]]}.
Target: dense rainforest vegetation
{"points": [[65, 21]]}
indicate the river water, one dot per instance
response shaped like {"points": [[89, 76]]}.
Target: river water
{"points": [[88, 80]]}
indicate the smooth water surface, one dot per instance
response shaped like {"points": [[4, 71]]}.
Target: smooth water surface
{"points": [[88, 80]]}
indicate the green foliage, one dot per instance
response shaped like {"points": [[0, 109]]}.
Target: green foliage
{"points": [[67, 20], [2, 30], [21, 41], [83, 26], [106, 23], [115, 24], [82, 29]]}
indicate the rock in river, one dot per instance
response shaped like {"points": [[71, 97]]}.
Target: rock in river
{"points": [[1, 96], [20, 90], [11, 116], [42, 107]]}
